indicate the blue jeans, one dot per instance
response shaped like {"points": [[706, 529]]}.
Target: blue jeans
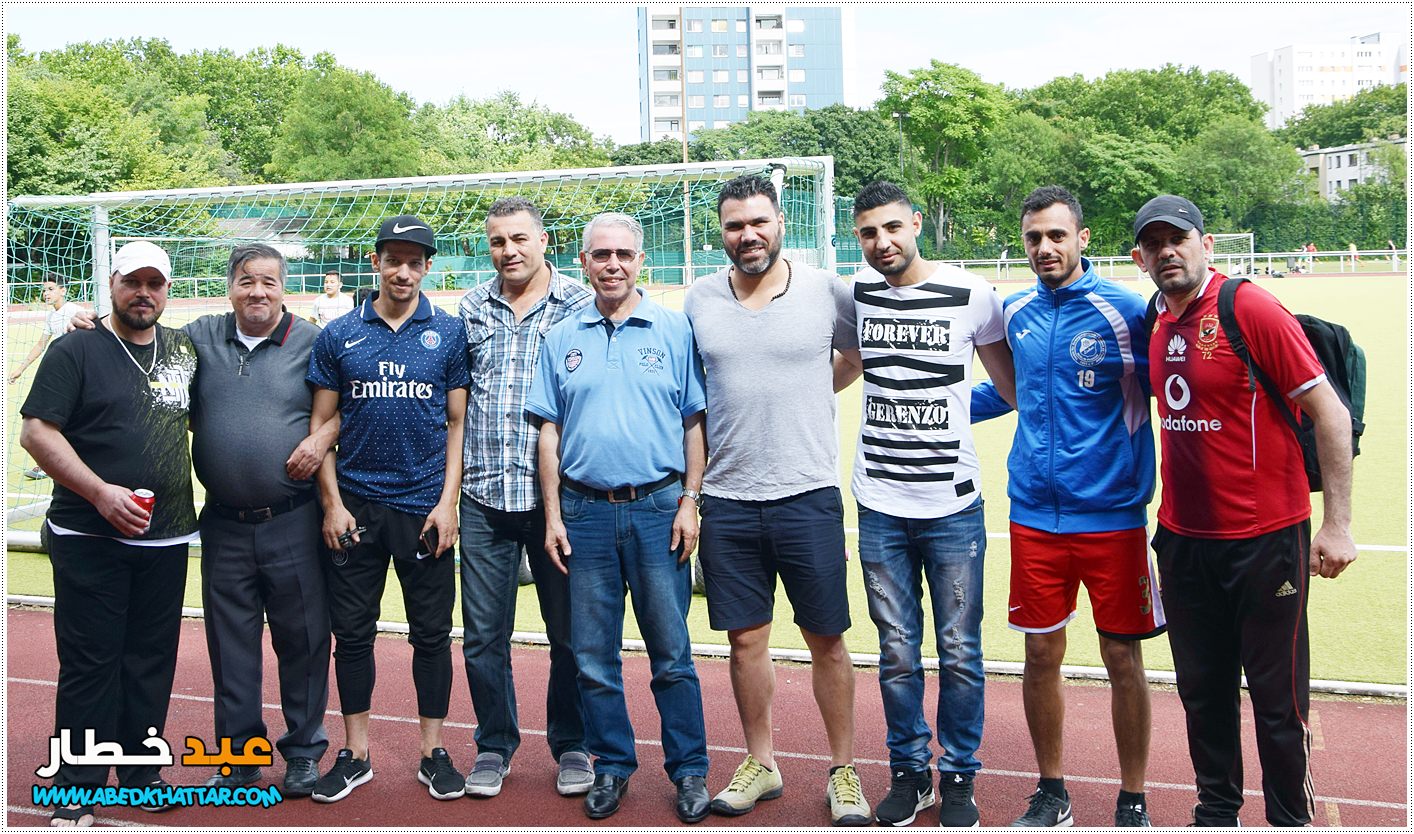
{"points": [[618, 546], [491, 541], [949, 552]]}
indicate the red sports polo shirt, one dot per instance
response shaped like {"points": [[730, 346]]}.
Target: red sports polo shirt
{"points": [[1232, 468]]}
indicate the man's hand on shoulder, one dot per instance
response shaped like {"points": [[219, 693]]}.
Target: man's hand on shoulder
{"points": [[82, 320]]}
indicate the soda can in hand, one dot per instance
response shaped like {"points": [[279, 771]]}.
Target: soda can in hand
{"points": [[145, 499]]}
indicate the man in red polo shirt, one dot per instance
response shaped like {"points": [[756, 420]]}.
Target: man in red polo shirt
{"points": [[1234, 540]]}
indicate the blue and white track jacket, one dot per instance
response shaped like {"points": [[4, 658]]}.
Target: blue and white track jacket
{"points": [[1082, 460]]}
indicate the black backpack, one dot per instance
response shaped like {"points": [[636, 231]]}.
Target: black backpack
{"points": [[1341, 359]]}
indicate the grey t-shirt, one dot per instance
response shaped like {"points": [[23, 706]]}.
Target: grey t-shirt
{"points": [[770, 386]]}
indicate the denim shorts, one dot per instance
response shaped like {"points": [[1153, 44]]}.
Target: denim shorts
{"points": [[745, 545]]}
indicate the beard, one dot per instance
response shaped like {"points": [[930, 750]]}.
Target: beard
{"points": [[773, 254], [137, 318]]}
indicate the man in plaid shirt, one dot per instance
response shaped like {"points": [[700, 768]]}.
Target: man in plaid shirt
{"points": [[506, 320]]}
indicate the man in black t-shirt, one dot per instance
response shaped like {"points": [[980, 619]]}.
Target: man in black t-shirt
{"points": [[107, 415]]}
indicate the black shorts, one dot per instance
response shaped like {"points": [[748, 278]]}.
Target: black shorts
{"points": [[746, 544]]}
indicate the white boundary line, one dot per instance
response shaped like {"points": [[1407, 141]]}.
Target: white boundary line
{"points": [[1029, 776], [861, 659]]}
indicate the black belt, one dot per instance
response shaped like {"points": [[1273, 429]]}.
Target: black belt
{"points": [[623, 494], [257, 515]]}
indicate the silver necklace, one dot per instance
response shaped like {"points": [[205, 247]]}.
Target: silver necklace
{"points": [[156, 349]]}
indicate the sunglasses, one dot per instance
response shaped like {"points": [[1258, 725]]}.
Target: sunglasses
{"points": [[601, 256]]}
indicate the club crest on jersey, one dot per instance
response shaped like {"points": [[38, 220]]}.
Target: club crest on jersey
{"points": [[1207, 335], [431, 339], [1087, 348], [572, 360]]}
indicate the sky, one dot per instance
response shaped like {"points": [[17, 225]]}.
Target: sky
{"points": [[581, 58]]}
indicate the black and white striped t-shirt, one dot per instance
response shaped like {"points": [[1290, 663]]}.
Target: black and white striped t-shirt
{"points": [[916, 458]]}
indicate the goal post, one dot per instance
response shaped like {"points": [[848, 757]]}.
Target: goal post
{"points": [[1233, 253], [327, 226]]}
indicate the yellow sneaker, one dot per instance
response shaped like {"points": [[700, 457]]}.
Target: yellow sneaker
{"points": [[752, 781], [846, 798]]}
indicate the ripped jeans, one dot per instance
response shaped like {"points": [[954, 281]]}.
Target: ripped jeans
{"points": [[895, 553]]}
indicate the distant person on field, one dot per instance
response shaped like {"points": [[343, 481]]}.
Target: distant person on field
{"points": [[56, 320], [1234, 535], [918, 486], [393, 374], [767, 329], [333, 302], [107, 415], [1080, 475], [622, 450]]}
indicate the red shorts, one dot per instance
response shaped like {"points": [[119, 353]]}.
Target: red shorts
{"points": [[1047, 569]]}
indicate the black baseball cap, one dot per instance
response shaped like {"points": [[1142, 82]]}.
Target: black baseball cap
{"points": [[406, 227], [1176, 211]]}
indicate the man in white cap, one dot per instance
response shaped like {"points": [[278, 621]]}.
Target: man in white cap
{"points": [[106, 417]]}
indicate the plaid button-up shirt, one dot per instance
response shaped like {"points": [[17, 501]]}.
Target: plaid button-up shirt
{"points": [[498, 455]]}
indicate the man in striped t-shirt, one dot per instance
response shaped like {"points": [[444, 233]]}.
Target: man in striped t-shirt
{"points": [[917, 484]]}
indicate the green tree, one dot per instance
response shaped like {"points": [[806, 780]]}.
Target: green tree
{"points": [[344, 125], [1170, 103], [503, 133], [661, 152], [948, 113], [1374, 113], [1235, 164]]}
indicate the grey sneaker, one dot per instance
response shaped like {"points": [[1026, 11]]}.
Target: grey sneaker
{"points": [[486, 775], [1132, 816], [1045, 811], [576, 774]]}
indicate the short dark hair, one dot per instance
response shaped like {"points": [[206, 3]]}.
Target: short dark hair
{"points": [[251, 252], [747, 186], [54, 278], [880, 193], [335, 273], [1047, 196], [506, 206]]}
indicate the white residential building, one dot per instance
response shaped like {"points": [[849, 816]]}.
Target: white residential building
{"points": [[702, 67], [1294, 77], [1337, 169]]}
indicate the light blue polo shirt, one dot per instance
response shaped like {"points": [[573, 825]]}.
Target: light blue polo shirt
{"points": [[620, 395], [392, 401]]}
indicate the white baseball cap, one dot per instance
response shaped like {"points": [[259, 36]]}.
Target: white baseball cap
{"points": [[141, 254]]}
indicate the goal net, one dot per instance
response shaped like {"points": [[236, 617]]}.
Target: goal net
{"points": [[1233, 253], [321, 227]]}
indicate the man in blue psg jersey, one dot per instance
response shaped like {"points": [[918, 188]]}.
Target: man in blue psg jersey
{"points": [[395, 370]]}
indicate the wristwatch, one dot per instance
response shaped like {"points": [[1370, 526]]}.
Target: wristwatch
{"points": [[693, 494]]}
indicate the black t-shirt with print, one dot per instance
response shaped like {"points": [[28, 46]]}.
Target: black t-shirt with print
{"points": [[127, 424]]}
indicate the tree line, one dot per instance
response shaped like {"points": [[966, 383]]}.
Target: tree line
{"points": [[135, 114]]}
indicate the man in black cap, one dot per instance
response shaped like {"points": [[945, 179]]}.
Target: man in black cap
{"points": [[1234, 539], [395, 369]]}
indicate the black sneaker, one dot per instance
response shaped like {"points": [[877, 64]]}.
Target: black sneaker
{"points": [[958, 808], [442, 780], [910, 791], [1132, 816], [346, 774], [1045, 811]]}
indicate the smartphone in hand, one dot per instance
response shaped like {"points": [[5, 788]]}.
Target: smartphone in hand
{"points": [[427, 544]]}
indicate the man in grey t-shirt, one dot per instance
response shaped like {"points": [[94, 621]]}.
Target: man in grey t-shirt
{"points": [[767, 330]]}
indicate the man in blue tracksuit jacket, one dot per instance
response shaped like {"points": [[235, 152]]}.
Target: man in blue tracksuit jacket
{"points": [[1080, 474]]}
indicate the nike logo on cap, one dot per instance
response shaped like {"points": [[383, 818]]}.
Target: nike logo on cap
{"points": [[350, 343], [397, 229]]}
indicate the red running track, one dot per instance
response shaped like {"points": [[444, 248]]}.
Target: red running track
{"points": [[1360, 761]]}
